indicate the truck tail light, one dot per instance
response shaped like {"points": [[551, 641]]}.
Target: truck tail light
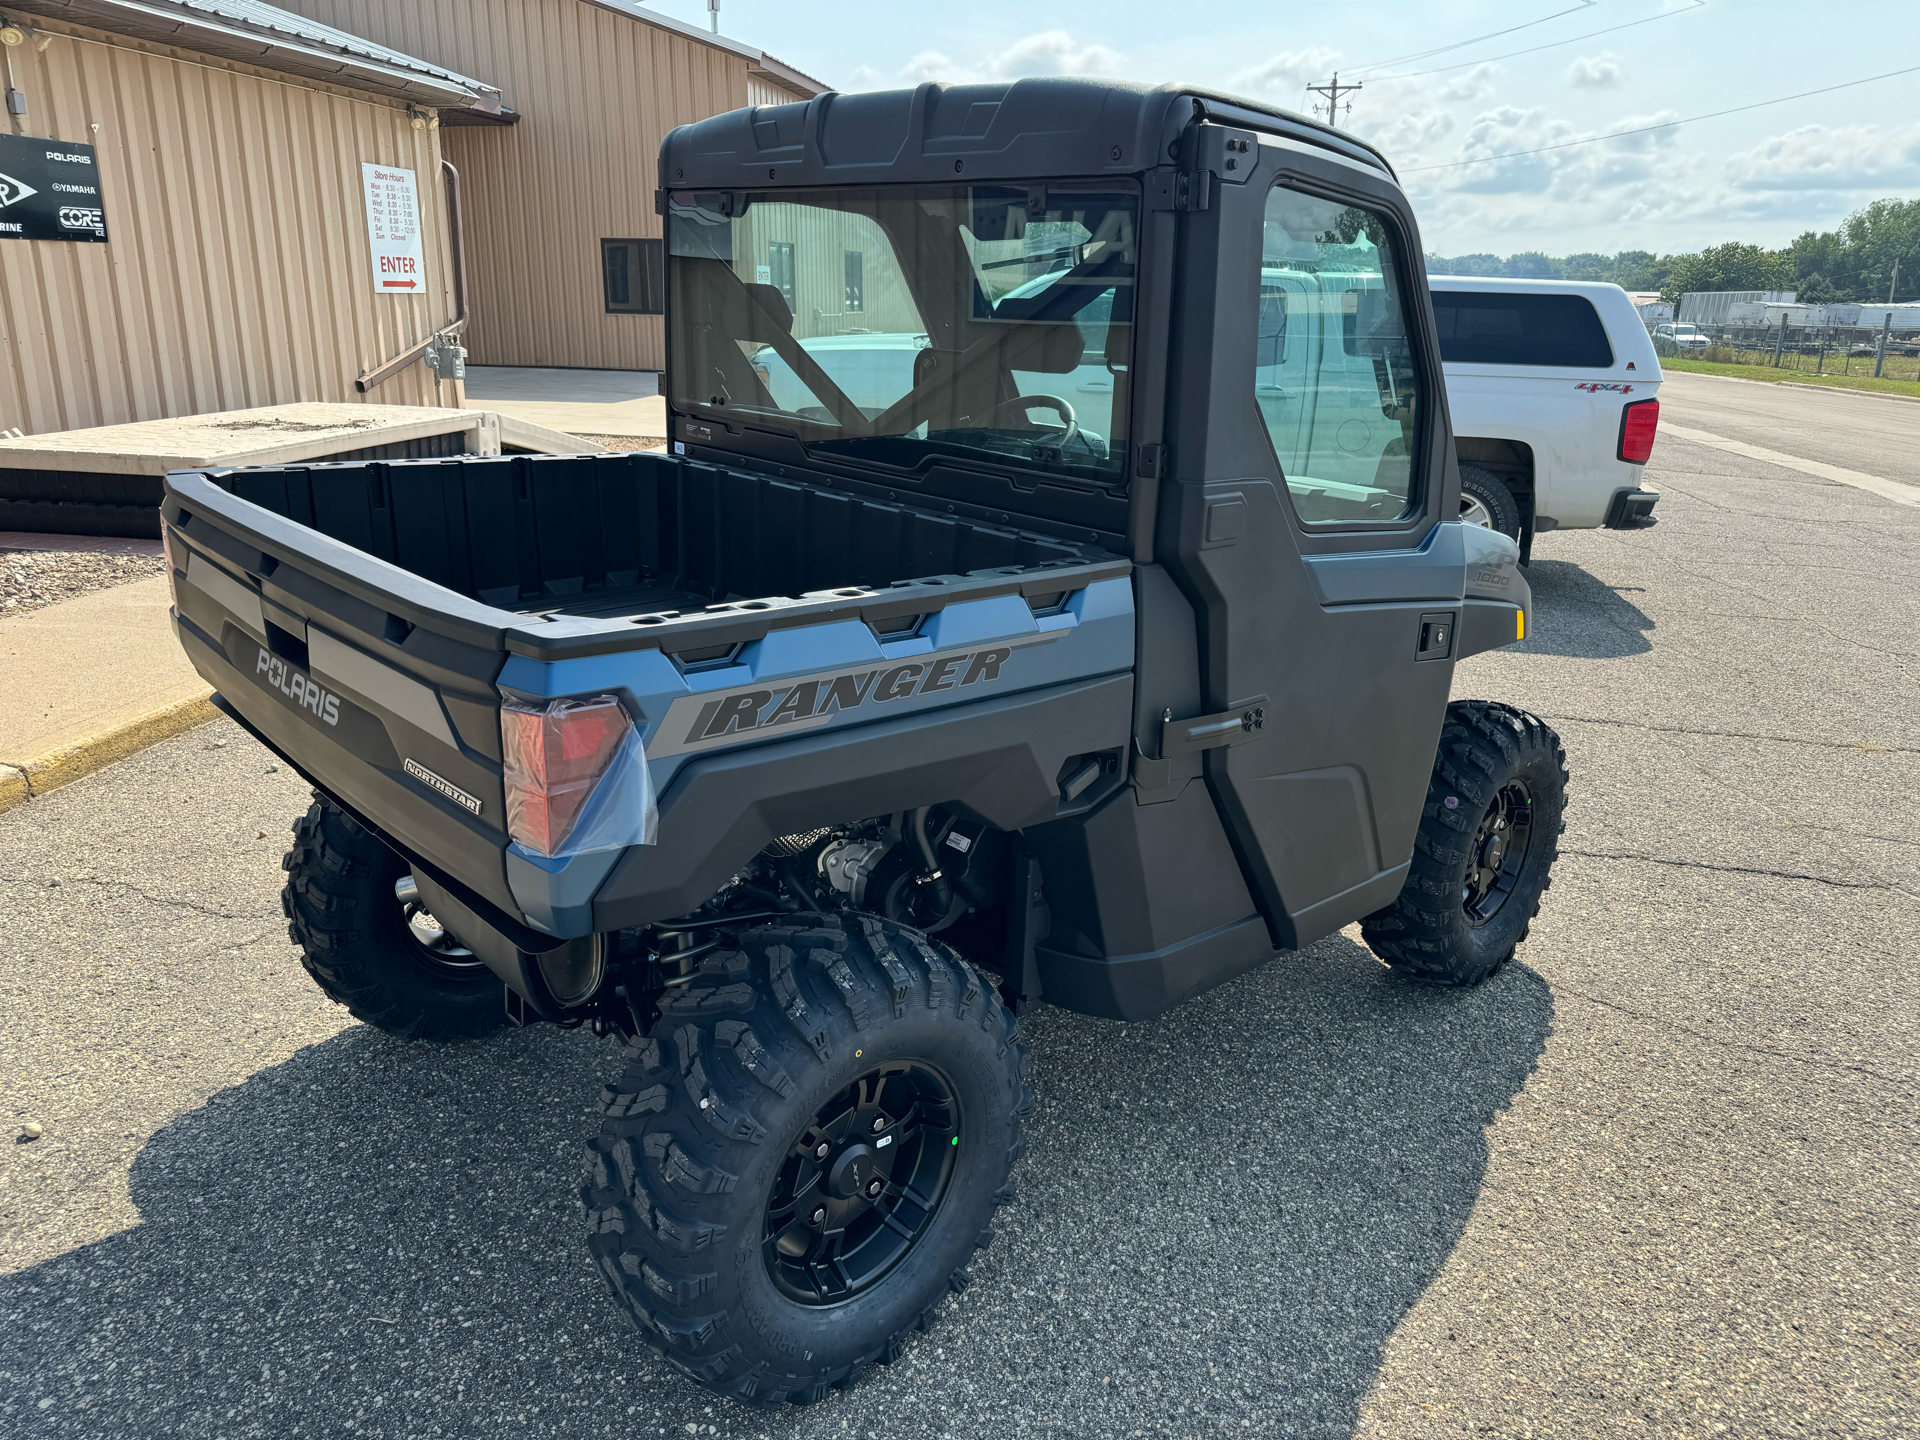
{"points": [[555, 754], [1638, 419]]}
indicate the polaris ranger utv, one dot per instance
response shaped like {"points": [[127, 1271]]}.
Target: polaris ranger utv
{"points": [[990, 633]]}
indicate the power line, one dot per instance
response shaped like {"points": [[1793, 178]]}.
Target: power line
{"points": [[1664, 125], [1474, 40], [1551, 45]]}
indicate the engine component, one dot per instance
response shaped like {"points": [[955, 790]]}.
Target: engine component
{"points": [[783, 847], [848, 863]]}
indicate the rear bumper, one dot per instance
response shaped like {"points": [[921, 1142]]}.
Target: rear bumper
{"points": [[1631, 509]]}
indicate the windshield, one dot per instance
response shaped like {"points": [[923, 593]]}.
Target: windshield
{"points": [[905, 324]]}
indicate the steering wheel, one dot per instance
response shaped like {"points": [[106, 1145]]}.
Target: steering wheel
{"points": [[1050, 402]]}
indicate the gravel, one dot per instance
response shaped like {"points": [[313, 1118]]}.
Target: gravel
{"points": [[627, 442], [34, 579]]}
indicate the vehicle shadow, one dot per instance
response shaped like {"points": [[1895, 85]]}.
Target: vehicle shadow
{"points": [[1224, 1213], [1579, 616]]}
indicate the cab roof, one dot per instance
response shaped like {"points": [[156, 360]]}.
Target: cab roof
{"points": [[933, 133]]}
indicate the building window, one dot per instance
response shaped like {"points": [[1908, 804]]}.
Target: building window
{"points": [[634, 275], [856, 294], [780, 269]]}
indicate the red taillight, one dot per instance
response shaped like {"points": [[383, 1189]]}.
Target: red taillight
{"points": [[1638, 419], [553, 755]]}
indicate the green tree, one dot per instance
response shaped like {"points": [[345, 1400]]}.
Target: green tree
{"points": [[1479, 263], [1588, 265], [1884, 242], [1736, 265], [1532, 265], [1817, 289], [1641, 269], [1879, 243]]}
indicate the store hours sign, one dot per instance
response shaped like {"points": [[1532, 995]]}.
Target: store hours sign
{"points": [[49, 190], [393, 229]]}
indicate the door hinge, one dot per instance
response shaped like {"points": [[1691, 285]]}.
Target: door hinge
{"points": [[1236, 725], [1169, 188]]}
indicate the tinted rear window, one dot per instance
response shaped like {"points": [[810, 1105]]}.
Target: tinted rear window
{"points": [[1494, 328]]}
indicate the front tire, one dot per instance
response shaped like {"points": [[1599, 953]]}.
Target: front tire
{"points": [[1490, 832], [357, 943], [802, 1156]]}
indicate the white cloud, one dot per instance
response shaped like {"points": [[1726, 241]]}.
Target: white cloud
{"points": [[1817, 157], [1408, 131], [1476, 85], [1047, 52], [1596, 72], [1284, 78], [1053, 52]]}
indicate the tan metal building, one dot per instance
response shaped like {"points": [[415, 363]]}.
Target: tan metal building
{"points": [[562, 240], [230, 141]]}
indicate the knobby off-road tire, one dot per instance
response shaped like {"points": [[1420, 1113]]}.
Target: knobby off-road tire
{"points": [[1503, 510], [1498, 794], [354, 940], [700, 1174]]}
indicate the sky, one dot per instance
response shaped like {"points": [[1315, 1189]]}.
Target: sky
{"points": [[1440, 86]]}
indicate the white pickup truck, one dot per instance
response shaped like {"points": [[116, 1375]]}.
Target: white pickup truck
{"points": [[1552, 388]]}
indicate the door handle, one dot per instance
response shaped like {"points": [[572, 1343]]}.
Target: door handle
{"points": [[1234, 726]]}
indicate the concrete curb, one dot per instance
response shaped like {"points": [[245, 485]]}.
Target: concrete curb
{"points": [[1842, 390], [25, 781]]}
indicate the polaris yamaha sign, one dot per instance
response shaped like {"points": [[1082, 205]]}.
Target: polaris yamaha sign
{"points": [[49, 190]]}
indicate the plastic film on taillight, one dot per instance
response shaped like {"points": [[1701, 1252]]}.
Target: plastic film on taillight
{"points": [[576, 776]]}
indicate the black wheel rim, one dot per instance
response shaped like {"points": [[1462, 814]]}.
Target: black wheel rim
{"points": [[861, 1185], [1499, 855]]}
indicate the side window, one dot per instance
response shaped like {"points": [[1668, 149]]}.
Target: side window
{"points": [[1518, 327], [780, 269], [633, 276], [1335, 376], [852, 266]]}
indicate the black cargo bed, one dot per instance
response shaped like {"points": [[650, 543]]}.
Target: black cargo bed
{"points": [[609, 536]]}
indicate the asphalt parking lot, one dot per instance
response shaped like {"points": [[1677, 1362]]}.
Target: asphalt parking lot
{"points": [[1655, 1178]]}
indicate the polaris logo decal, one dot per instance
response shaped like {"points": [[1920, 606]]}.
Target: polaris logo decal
{"points": [[802, 703], [446, 787], [301, 689]]}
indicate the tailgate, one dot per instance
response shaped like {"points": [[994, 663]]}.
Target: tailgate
{"points": [[376, 684]]}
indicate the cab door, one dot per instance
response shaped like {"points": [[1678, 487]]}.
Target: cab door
{"points": [[1308, 537]]}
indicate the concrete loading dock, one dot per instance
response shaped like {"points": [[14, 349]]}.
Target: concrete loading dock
{"points": [[106, 480]]}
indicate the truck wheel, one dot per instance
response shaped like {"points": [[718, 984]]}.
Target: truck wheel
{"points": [[803, 1155], [1486, 501], [378, 954], [1489, 834]]}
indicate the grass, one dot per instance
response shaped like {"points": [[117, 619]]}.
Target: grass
{"points": [[1887, 385]]}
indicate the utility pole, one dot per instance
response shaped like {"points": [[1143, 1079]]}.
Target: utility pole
{"points": [[1334, 90], [1892, 278]]}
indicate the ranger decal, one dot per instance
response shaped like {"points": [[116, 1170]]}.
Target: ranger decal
{"points": [[801, 703]]}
